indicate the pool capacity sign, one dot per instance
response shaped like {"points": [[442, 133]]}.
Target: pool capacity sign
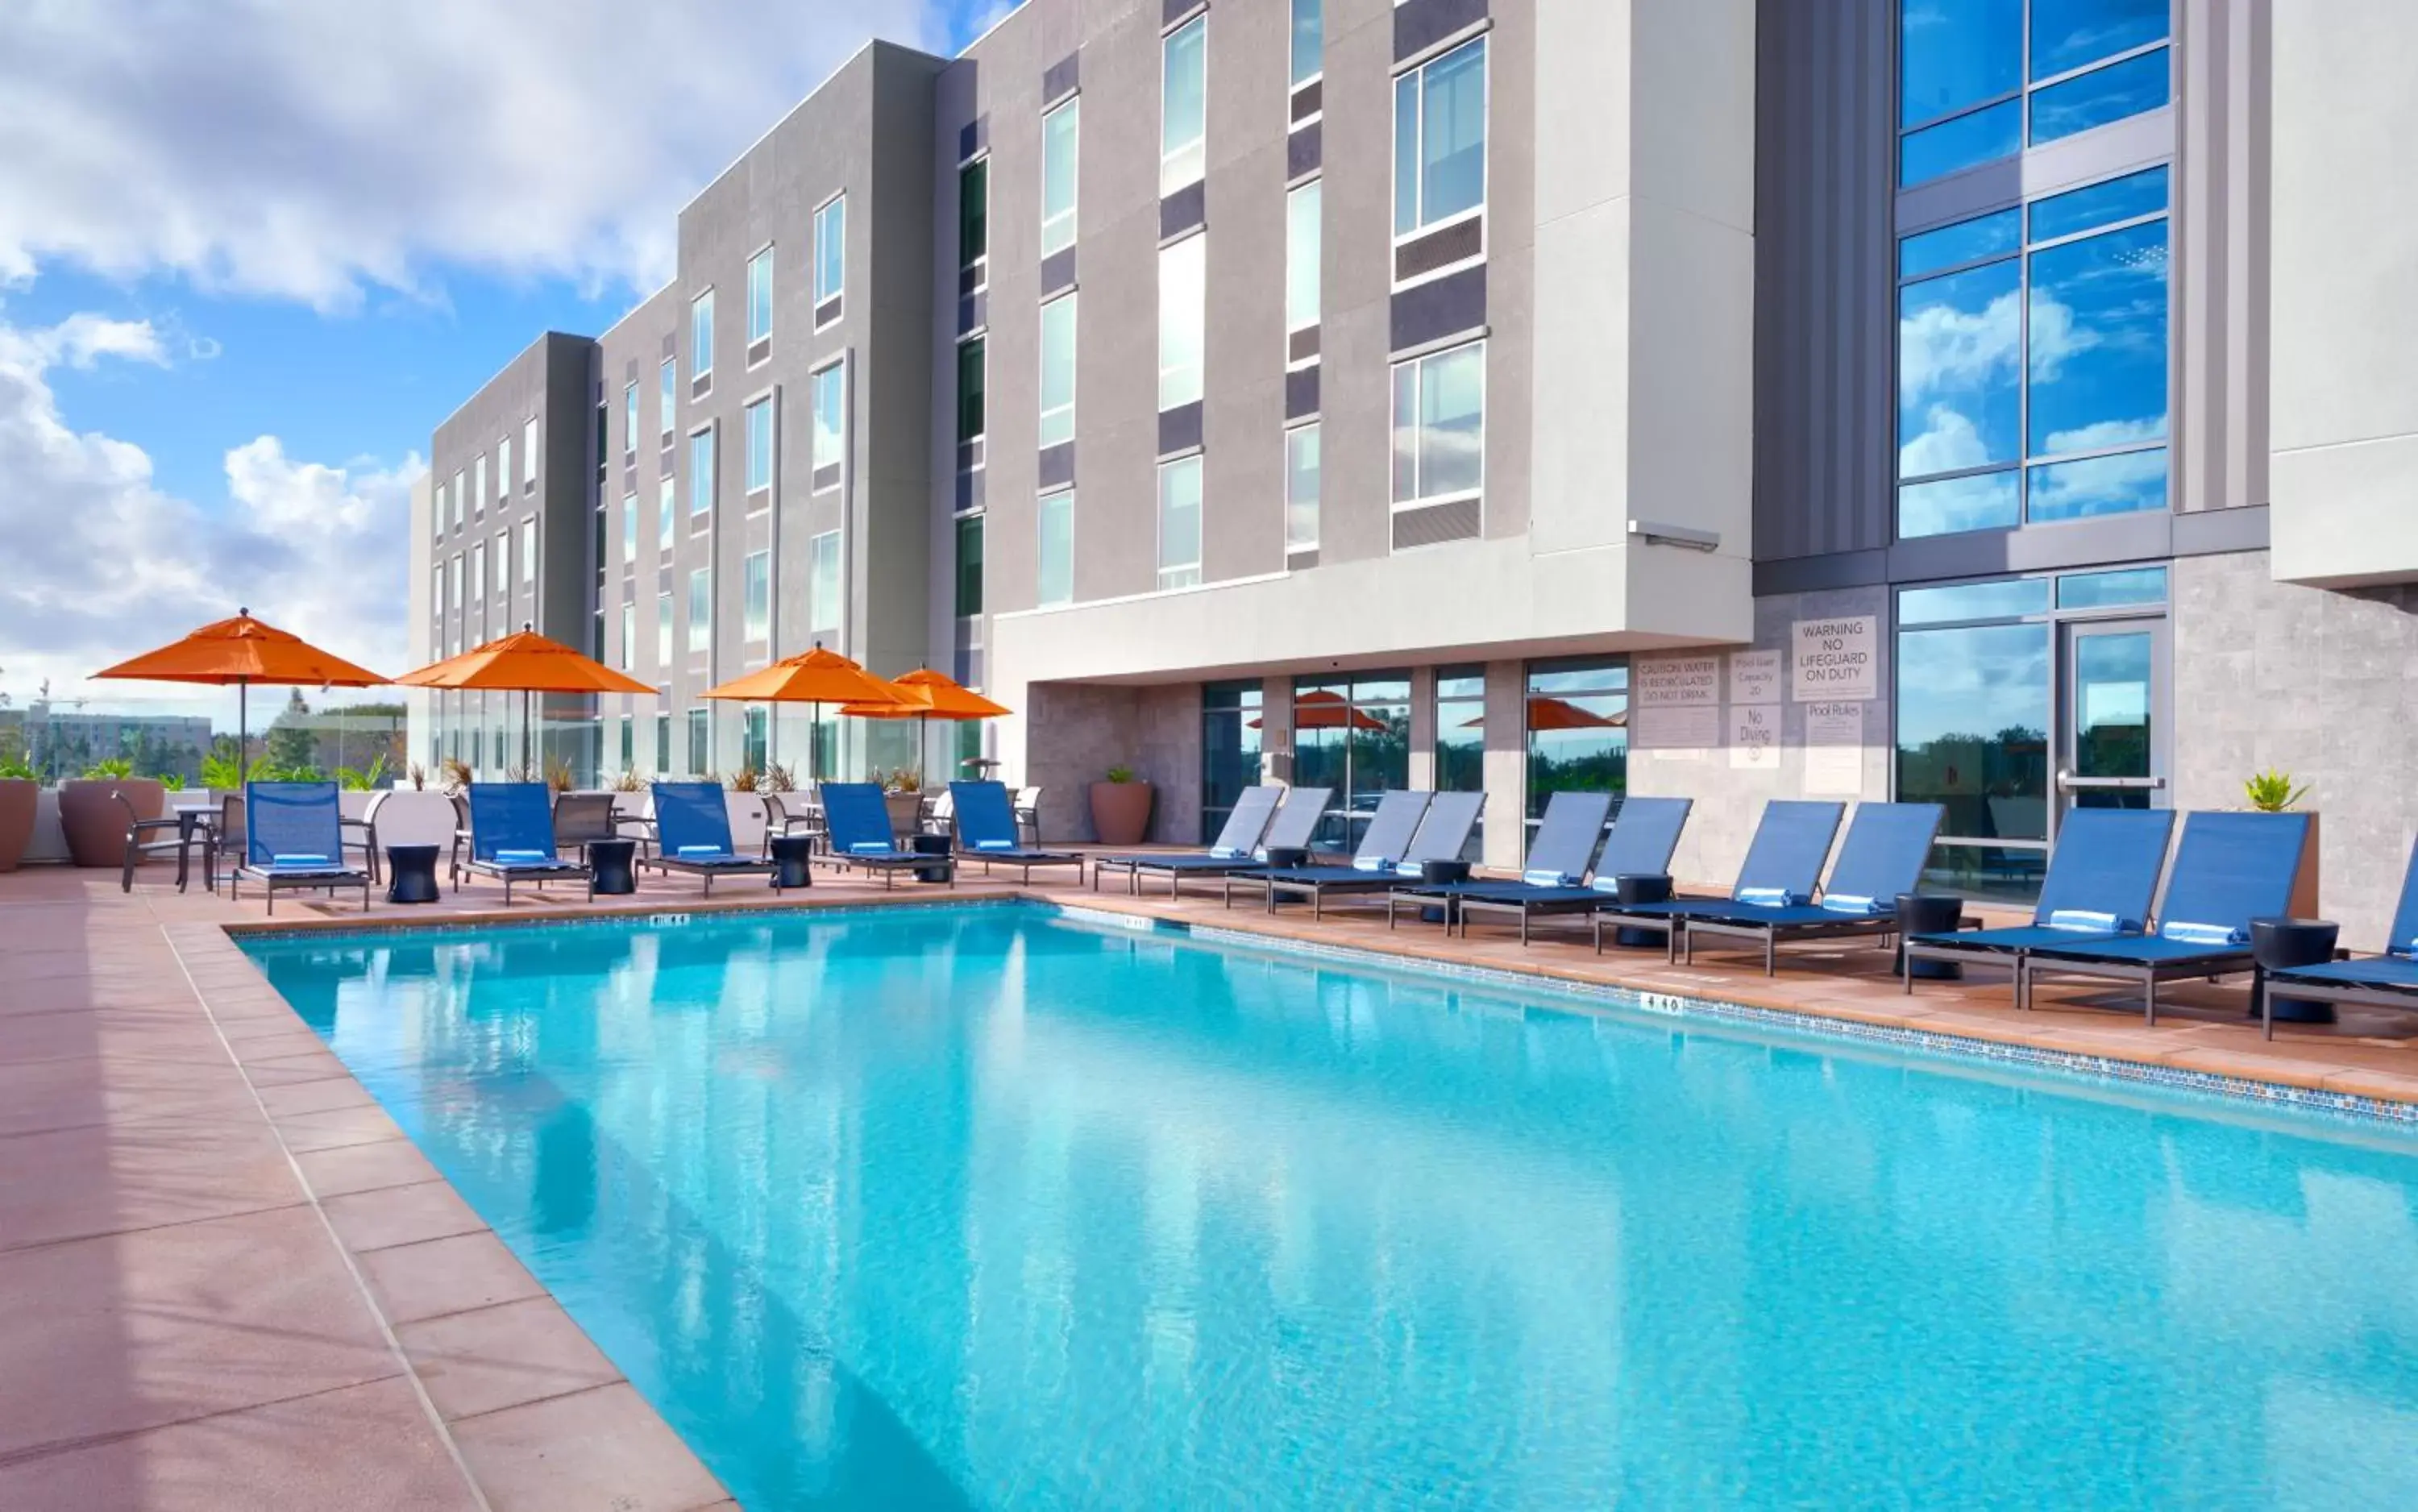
{"points": [[1836, 660]]}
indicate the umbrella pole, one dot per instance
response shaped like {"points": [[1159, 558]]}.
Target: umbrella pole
{"points": [[242, 732], [525, 730]]}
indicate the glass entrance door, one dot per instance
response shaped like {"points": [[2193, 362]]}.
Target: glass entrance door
{"points": [[2113, 747]]}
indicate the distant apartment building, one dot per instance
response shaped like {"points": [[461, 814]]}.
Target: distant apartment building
{"points": [[2012, 405]]}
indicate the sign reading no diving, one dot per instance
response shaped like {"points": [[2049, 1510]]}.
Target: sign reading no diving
{"points": [[1836, 660]]}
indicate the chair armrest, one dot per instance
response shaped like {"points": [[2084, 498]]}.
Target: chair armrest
{"points": [[144, 826]]}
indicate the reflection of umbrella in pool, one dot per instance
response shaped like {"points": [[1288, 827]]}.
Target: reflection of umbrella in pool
{"points": [[1322, 709], [1546, 714]]}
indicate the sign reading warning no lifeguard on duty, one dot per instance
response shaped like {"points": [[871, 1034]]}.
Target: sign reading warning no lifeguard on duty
{"points": [[1835, 659]]}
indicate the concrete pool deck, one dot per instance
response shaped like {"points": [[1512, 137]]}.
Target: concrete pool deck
{"points": [[232, 1281]]}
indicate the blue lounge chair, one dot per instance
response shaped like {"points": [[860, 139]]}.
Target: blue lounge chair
{"points": [[1236, 839], [1381, 845], [693, 836], [1881, 857], [2101, 878], [1443, 833], [986, 825], [1297, 817], [511, 839], [1558, 856], [2386, 981], [2228, 869], [856, 822], [1783, 862], [294, 840]]}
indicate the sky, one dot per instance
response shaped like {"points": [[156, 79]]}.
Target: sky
{"points": [[252, 251]]}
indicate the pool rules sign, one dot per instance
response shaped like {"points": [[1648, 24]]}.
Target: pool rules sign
{"points": [[1836, 660]]}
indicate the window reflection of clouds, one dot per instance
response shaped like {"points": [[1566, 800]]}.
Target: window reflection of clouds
{"points": [[2100, 95], [1959, 341], [2099, 336], [1957, 52], [2067, 34]]}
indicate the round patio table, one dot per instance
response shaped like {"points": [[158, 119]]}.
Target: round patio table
{"points": [[1441, 874], [1929, 914], [615, 864], [2280, 944], [411, 874], [1643, 888], [790, 853]]}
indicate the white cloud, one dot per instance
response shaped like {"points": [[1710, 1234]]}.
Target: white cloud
{"points": [[102, 564], [1940, 347], [307, 150]]}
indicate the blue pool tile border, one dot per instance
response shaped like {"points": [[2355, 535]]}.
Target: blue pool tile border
{"points": [[2352, 1107]]}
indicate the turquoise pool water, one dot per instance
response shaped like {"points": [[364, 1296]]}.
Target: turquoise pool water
{"points": [[983, 1208]]}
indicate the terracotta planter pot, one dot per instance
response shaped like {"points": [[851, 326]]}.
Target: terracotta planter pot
{"points": [[1121, 811], [906, 812], [18, 797], [96, 823]]}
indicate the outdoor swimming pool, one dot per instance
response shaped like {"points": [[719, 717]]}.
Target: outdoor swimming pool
{"points": [[980, 1206]]}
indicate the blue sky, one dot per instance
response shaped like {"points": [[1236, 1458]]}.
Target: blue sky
{"points": [[250, 257]]}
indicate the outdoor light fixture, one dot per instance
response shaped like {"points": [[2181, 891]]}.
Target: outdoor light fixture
{"points": [[1654, 534]]}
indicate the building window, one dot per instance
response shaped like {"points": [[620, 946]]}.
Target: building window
{"points": [[752, 747], [1460, 742], [437, 513], [1304, 208], [759, 445], [528, 551], [1965, 96], [528, 452], [970, 391], [457, 502], [667, 512], [701, 338], [760, 297], [629, 743], [2032, 362], [629, 641], [970, 566], [1301, 487], [1058, 370], [1440, 139], [758, 580], [479, 572], [478, 471], [1440, 426], [1054, 577], [1353, 734], [629, 530], [973, 223], [822, 602], [1183, 104], [668, 405], [662, 634], [831, 251], [830, 387], [700, 611], [1229, 749], [701, 473], [1060, 132], [503, 564], [700, 741], [1179, 523], [504, 468], [453, 582], [1577, 717], [1308, 41], [1183, 270]]}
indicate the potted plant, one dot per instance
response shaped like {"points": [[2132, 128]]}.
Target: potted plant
{"points": [[1121, 807], [94, 820], [2271, 793], [21, 793], [903, 794]]}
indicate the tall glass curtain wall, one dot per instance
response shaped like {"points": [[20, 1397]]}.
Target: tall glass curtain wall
{"points": [[2033, 339], [1981, 714], [1353, 734], [1229, 749], [1460, 742], [1577, 713]]}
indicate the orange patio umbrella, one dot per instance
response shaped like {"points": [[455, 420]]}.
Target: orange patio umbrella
{"points": [[239, 652], [1547, 713], [815, 677], [925, 695], [1322, 709], [524, 662]]}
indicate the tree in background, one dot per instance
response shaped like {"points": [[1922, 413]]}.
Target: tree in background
{"points": [[292, 744]]}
